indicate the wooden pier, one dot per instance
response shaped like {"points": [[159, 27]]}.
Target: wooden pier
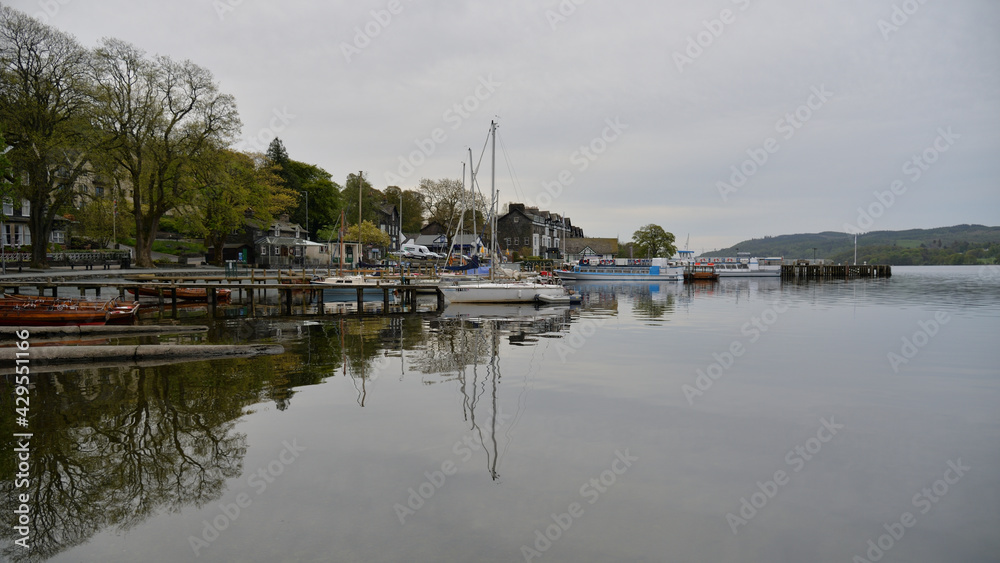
{"points": [[826, 271], [289, 289]]}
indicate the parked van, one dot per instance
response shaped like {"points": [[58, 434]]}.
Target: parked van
{"points": [[418, 251]]}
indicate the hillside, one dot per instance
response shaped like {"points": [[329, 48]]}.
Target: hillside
{"points": [[960, 244]]}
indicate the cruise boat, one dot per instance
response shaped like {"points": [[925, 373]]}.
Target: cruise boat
{"points": [[624, 269], [745, 266]]}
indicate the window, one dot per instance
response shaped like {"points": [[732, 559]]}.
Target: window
{"points": [[506, 242], [515, 241], [57, 237], [277, 230], [98, 191], [25, 208], [8, 207]]}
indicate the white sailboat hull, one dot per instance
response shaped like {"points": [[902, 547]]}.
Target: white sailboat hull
{"points": [[487, 292]]}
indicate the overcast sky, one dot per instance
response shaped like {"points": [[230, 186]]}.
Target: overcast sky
{"points": [[719, 119]]}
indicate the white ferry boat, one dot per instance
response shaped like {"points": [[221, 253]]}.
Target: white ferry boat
{"points": [[624, 269], [745, 266]]}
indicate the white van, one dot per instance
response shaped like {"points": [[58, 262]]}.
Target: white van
{"points": [[418, 251]]}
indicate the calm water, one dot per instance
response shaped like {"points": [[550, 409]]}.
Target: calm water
{"points": [[742, 421]]}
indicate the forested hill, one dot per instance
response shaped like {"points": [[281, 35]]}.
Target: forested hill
{"points": [[961, 244]]}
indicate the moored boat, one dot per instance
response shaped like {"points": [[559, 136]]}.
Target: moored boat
{"points": [[345, 288], [565, 299], [700, 271], [24, 310], [624, 269], [185, 293], [746, 266]]}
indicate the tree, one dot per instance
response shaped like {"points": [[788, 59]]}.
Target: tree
{"points": [[412, 207], [317, 188], [232, 187], [371, 199], [6, 172], [319, 201], [44, 112], [444, 201], [370, 234], [97, 218], [157, 117], [652, 241]]}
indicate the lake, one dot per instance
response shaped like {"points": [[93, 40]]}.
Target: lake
{"points": [[746, 420]]}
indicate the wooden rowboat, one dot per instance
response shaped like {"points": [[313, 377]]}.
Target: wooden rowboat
{"points": [[185, 293], [48, 312]]}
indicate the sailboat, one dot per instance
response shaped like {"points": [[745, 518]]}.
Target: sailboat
{"points": [[493, 291]]}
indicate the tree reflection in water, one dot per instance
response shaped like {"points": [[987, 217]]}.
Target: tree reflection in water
{"points": [[113, 446]]}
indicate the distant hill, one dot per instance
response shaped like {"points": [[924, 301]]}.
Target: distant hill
{"points": [[961, 244]]}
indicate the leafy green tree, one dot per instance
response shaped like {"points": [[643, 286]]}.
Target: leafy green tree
{"points": [[319, 198], [412, 207], [317, 188], [6, 173], [234, 186], [371, 199], [157, 116], [652, 241], [370, 234], [44, 112], [97, 220]]}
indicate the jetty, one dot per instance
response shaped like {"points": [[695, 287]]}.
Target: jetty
{"points": [[251, 288], [802, 270]]}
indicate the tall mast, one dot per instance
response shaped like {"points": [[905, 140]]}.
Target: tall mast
{"points": [[472, 194], [357, 259], [493, 198]]}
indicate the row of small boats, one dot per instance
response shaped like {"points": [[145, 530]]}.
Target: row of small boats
{"points": [[35, 310]]}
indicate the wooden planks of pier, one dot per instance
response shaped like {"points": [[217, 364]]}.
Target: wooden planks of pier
{"points": [[829, 271]]}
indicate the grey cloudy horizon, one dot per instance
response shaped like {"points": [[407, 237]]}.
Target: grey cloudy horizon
{"points": [[722, 120]]}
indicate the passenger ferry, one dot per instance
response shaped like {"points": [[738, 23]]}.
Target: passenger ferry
{"points": [[745, 266], [624, 269]]}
